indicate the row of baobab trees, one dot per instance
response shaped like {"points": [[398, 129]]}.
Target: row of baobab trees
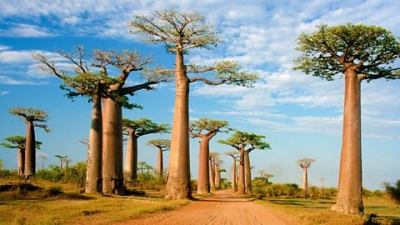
{"points": [[359, 52]]}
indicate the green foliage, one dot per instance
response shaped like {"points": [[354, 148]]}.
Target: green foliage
{"points": [[30, 114], [327, 51], [393, 190], [239, 137], [18, 142], [164, 144], [75, 174], [210, 125], [144, 126]]}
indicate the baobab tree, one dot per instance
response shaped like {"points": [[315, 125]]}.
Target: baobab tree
{"points": [[31, 117], [360, 52], [305, 164], [240, 140], [135, 129], [205, 129], [162, 146], [42, 157], [19, 142], [234, 155], [62, 159], [180, 32], [218, 170], [93, 80], [213, 158]]}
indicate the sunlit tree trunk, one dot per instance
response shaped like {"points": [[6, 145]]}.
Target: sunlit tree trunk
{"points": [[305, 182], [241, 185], [21, 161], [160, 164], [203, 181], [112, 148], [94, 162], [234, 175], [247, 172], [212, 173], [217, 177], [131, 156], [349, 199], [178, 183], [30, 150]]}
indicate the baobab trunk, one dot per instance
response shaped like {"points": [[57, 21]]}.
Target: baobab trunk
{"points": [[305, 181], [203, 181], [21, 161], [247, 172], [234, 176], [178, 182], [160, 164], [217, 177], [241, 185], [349, 199], [30, 150], [212, 173], [131, 157], [94, 162], [112, 148]]}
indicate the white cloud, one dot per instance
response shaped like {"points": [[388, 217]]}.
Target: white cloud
{"points": [[25, 30], [4, 92]]}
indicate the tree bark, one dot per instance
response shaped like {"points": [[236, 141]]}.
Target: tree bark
{"points": [[212, 173], [94, 161], [234, 176], [247, 172], [21, 161], [132, 157], [217, 177], [112, 148], [203, 181], [241, 185], [30, 150], [349, 199], [178, 183], [160, 164], [305, 181]]}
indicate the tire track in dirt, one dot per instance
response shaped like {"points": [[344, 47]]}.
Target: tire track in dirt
{"points": [[221, 208]]}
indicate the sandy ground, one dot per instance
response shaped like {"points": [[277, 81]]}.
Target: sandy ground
{"points": [[223, 207]]}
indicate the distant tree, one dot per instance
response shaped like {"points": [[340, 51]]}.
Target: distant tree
{"points": [[19, 142], [135, 129], [162, 145], [205, 129], [42, 157], [234, 155], [213, 158], [62, 159], [305, 164], [179, 32], [360, 52], [393, 190], [240, 140], [31, 116]]}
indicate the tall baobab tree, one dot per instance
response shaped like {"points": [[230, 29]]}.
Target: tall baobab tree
{"points": [[205, 129], [305, 164], [42, 157], [213, 158], [234, 155], [360, 52], [240, 140], [93, 80], [31, 116], [135, 129], [62, 159], [162, 146], [180, 32], [19, 142], [218, 169]]}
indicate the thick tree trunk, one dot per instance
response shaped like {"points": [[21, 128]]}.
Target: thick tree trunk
{"points": [[112, 148], [178, 183], [160, 164], [131, 157], [212, 173], [234, 175], [247, 172], [21, 161], [241, 184], [349, 199], [203, 181], [217, 177], [305, 182], [94, 161], [30, 150]]}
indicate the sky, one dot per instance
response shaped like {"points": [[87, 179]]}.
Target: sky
{"points": [[299, 115]]}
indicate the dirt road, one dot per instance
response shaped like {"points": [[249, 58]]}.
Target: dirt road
{"points": [[223, 207]]}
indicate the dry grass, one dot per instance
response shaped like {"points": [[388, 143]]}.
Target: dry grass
{"points": [[49, 205], [317, 211]]}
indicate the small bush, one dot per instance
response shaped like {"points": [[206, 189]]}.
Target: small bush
{"points": [[393, 191]]}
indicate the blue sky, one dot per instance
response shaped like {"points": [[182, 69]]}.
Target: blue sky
{"points": [[300, 115]]}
